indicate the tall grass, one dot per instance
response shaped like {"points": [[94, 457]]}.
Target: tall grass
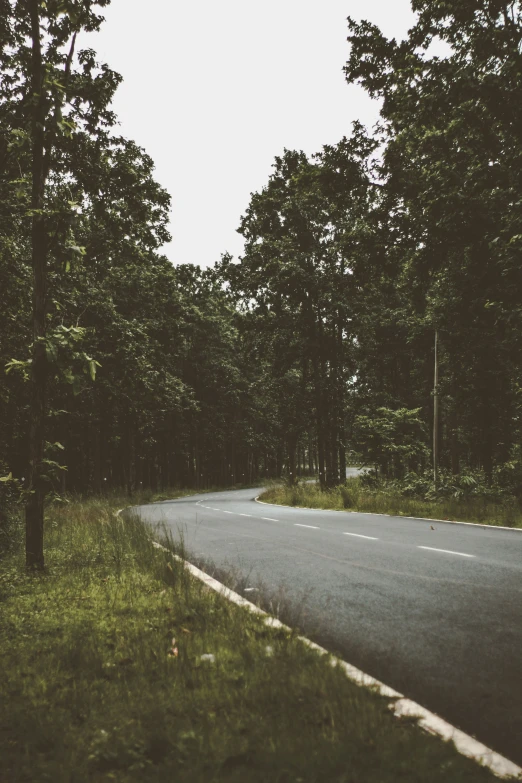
{"points": [[118, 666], [354, 496]]}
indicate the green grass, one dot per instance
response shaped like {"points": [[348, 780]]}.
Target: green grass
{"points": [[354, 497], [91, 691]]}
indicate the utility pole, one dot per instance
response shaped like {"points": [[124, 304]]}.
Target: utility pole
{"points": [[436, 411]]}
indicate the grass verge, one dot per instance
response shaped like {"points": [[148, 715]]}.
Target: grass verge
{"points": [[354, 497], [119, 666]]}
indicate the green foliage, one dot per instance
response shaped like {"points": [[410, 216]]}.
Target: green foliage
{"points": [[392, 436], [412, 496], [9, 511], [318, 341], [450, 186]]}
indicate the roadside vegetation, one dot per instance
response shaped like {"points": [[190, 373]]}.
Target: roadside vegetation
{"points": [[318, 342], [464, 498], [317, 345], [119, 666]]}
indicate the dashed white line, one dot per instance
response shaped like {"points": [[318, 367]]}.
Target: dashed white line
{"points": [[245, 515], [312, 527], [359, 535], [447, 551], [269, 519]]}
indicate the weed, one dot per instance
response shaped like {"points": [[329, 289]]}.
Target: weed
{"points": [[118, 666], [389, 498]]}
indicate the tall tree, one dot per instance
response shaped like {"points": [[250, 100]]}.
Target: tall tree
{"points": [[452, 172], [301, 236], [49, 101]]}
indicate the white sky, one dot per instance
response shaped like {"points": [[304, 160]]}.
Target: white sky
{"points": [[215, 90]]}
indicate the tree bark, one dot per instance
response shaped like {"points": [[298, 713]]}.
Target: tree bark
{"points": [[34, 509], [342, 459], [292, 465], [436, 413]]}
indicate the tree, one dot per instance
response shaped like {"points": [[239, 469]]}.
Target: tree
{"points": [[303, 236], [451, 169], [395, 440], [45, 103]]}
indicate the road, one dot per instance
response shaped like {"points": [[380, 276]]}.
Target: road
{"points": [[434, 613]]}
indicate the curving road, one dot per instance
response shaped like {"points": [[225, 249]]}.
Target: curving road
{"points": [[434, 613]]}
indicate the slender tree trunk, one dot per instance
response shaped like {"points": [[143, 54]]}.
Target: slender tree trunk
{"points": [[436, 412], [96, 456], [34, 510], [292, 466], [340, 389], [329, 479], [342, 459], [320, 460], [454, 436], [131, 461], [487, 440]]}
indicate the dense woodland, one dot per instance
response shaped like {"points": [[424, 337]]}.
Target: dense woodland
{"points": [[314, 348]]}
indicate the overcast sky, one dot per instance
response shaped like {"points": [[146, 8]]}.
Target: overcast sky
{"points": [[215, 90]]}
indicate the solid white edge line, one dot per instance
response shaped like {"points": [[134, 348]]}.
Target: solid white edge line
{"points": [[359, 535], [395, 516], [447, 551], [401, 706]]}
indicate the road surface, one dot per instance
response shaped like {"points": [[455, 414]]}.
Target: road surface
{"points": [[434, 613]]}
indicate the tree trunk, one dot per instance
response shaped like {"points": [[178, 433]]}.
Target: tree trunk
{"points": [[342, 459], [292, 466], [320, 460], [436, 413], [34, 509]]}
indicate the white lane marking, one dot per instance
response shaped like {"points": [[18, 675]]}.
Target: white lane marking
{"points": [[359, 535], [447, 551], [225, 512], [313, 527], [244, 515], [269, 519]]}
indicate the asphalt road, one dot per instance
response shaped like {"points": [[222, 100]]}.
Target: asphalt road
{"points": [[435, 614]]}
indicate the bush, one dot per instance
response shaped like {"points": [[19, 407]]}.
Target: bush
{"points": [[9, 509], [508, 476], [349, 494]]}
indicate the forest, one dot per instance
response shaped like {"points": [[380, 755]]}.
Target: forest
{"points": [[313, 350]]}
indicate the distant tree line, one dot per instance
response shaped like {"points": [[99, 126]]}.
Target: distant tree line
{"points": [[357, 257], [317, 345]]}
